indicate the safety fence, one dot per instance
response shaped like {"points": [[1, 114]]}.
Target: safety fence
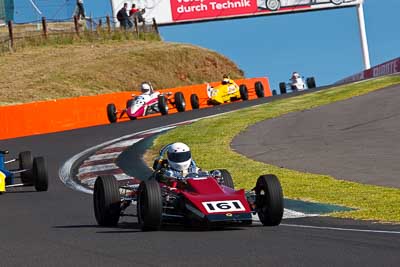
{"points": [[14, 36], [79, 112]]}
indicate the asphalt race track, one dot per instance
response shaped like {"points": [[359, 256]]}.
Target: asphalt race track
{"points": [[58, 228], [357, 139]]}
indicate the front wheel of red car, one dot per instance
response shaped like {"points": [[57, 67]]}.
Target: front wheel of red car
{"points": [[106, 201], [269, 200], [149, 206]]}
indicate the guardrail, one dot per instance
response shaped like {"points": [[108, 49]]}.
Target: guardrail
{"points": [[72, 113], [387, 68]]}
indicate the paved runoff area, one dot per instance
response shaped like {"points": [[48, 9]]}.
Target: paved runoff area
{"points": [[357, 139]]}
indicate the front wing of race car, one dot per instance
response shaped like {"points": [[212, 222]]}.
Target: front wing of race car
{"points": [[212, 203]]}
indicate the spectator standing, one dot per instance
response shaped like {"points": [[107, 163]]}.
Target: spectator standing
{"points": [[123, 18], [133, 10], [80, 10]]}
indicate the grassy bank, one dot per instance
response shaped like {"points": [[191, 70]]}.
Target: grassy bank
{"points": [[91, 68], [210, 141]]}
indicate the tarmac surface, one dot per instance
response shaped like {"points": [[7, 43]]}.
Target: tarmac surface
{"points": [[58, 228], [357, 139]]}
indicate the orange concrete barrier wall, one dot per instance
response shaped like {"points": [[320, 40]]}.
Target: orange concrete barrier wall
{"points": [[72, 113]]}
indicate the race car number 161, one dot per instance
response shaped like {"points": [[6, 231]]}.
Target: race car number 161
{"points": [[223, 206]]}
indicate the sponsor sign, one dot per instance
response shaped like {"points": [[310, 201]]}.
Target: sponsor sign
{"points": [[178, 11], [387, 68]]}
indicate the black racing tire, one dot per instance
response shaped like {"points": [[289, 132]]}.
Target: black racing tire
{"points": [[106, 201], [180, 102], [162, 105], [111, 113], [25, 161], [269, 200], [244, 93], [41, 180], [149, 206], [228, 181], [259, 87], [311, 83], [129, 103], [274, 92], [273, 5], [282, 88], [194, 101]]}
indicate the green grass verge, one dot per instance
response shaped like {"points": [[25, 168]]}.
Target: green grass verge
{"points": [[210, 141]]}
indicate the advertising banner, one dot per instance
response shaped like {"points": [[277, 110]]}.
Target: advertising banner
{"points": [[387, 68], [178, 11]]}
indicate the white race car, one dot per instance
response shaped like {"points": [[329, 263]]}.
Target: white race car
{"points": [[145, 104], [296, 83]]}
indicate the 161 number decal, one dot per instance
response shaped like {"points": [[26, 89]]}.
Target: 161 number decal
{"points": [[223, 206]]}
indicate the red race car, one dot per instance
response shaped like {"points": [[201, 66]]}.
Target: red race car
{"points": [[202, 198]]}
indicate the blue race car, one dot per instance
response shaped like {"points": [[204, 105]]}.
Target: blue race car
{"points": [[31, 172]]}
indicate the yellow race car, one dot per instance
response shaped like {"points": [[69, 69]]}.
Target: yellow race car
{"points": [[227, 91]]}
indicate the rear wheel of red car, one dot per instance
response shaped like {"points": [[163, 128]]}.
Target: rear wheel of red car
{"points": [[244, 93], [180, 102], [282, 88], [106, 201], [149, 205], [194, 101], [25, 161], [162, 105], [259, 87], [228, 181], [269, 200], [41, 181], [111, 113]]}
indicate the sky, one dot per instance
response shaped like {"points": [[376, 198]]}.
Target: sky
{"points": [[323, 44]]}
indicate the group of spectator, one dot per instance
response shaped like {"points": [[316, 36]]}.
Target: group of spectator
{"points": [[127, 17]]}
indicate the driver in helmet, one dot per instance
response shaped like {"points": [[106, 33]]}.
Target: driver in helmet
{"points": [[295, 76], [225, 79], [146, 88], [178, 164]]}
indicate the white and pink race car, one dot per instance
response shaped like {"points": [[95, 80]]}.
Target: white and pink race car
{"points": [[149, 102]]}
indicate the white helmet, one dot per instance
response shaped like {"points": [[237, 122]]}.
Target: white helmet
{"points": [[145, 87], [179, 156]]}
